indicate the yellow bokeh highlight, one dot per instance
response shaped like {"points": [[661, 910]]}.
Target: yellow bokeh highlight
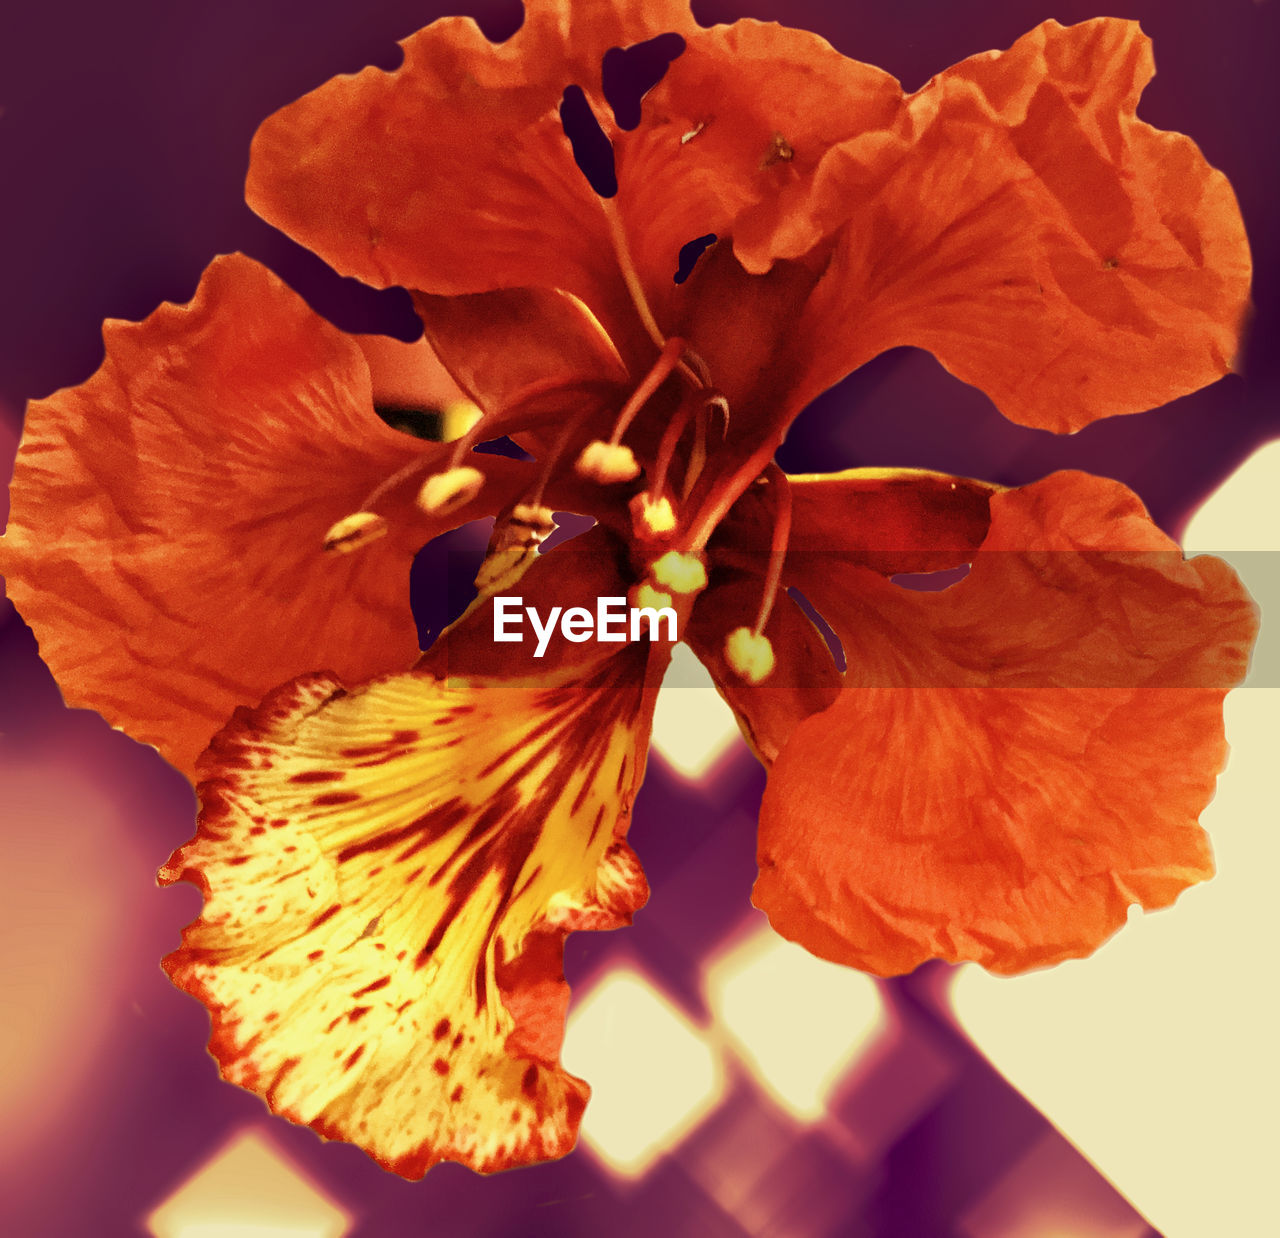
{"points": [[800, 1022], [653, 1074], [692, 726], [248, 1190]]}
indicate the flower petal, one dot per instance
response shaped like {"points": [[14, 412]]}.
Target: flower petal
{"points": [[463, 123], [165, 541], [1014, 759], [734, 134], [1044, 244], [524, 354], [389, 876], [888, 520]]}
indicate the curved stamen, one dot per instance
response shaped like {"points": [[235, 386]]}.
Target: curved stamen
{"points": [[657, 375], [667, 444], [573, 425], [749, 651], [630, 275], [691, 365], [724, 496], [610, 462], [383, 488], [777, 549]]}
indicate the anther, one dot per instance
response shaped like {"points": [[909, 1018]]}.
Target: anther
{"points": [[644, 595], [354, 531], [679, 572], [652, 517], [749, 654], [608, 463], [445, 492], [536, 519]]}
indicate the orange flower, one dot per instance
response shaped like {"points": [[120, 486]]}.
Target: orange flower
{"points": [[391, 857]]}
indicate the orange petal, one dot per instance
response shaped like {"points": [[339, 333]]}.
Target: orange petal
{"points": [[1016, 759], [407, 375], [474, 185], [732, 138], [168, 514], [524, 355], [389, 876], [1043, 243]]}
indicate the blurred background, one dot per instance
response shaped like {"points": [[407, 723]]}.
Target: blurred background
{"points": [[741, 1087]]}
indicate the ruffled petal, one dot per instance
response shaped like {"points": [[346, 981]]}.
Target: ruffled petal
{"points": [[462, 124], [1044, 244], [389, 875], [1016, 759], [732, 138], [168, 516]]}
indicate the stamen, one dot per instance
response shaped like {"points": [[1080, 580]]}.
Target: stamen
{"points": [[692, 366], [670, 437], [645, 595], [445, 492], [354, 531], [749, 654], [728, 492], [608, 463], [748, 650], [777, 548], [629, 274], [537, 521], [680, 573], [652, 517], [612, 462]]}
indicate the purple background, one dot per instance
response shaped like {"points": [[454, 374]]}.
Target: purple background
{"points": [[124, 134]]}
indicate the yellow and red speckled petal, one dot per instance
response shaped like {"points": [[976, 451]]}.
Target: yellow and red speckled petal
{"points": [[389, 874], [1016, 759], [168, 518]]}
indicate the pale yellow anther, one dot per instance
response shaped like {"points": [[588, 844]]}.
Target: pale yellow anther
{"points": [[750, 654], [533, 516], [354, 531], [652, 517], [446, 492], [456, 419], [679, 572], [645, 595], [608, 463]]}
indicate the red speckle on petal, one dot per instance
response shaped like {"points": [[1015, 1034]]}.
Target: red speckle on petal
{"points": [[325, 916]]}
